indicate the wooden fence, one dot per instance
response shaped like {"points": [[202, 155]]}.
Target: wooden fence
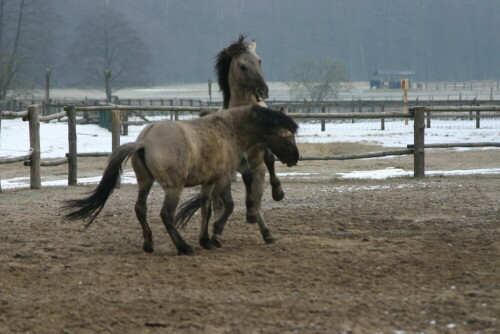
{"points": [[353, 104], [458, 85], [417, 148]]}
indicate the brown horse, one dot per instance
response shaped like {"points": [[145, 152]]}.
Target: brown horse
{"points": [[241, 82], [204, 151]]}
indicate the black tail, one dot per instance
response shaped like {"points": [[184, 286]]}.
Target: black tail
{"points": [[186, 211], [93, 204]]}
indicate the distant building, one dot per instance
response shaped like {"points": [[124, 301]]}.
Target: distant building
{"points": [[390, 79]]}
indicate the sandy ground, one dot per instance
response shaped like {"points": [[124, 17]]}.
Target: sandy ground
{"points": [[367, 256]]}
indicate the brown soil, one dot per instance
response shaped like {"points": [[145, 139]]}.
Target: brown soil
{"points": [[367, 256]]}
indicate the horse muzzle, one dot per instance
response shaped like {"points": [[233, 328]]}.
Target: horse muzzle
{"points": [[262, 94], [291, 158], [293, 162], [284, 148]]}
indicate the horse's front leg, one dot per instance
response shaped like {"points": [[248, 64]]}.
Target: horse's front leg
{"points": [[246, 175], [228, 205], [277, 191], [259, 175], [206, 198]]}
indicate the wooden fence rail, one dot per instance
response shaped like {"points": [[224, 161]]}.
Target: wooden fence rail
{"points": [[10, 160], [484, 144], [361, 156], [146, 108], [417, 149], [7, 113], [456, 108]]}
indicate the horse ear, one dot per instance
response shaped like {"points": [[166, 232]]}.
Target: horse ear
{"points": [[283, 111], [252, 46]]}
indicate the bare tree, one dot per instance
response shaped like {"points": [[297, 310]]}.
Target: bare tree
{"points": [[9, 61], [317, 80], [107, 47], [25, 42]]}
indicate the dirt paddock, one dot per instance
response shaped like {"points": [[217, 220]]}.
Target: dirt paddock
{"points": [[367, 256]]}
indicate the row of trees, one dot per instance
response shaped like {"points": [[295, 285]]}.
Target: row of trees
{"points": [[101, 54], [101, 50], [166, 41]]}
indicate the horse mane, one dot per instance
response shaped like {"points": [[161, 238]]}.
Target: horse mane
{"points": [[223, 64], [272, 118]]}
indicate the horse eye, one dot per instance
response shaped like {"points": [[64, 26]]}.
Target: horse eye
{"points": [[243, 67], [260, 62]]}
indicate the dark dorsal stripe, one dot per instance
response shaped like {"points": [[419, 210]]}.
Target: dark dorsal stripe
{"points": [[272, 118], [223, 64]]}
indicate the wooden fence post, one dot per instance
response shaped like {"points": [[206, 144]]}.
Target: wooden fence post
{"points": [[34, 126], [323, 121], [478, 120], [419, 144], [115, 134], [209, 91], [72, 140], [404, 85], [382, 120]]}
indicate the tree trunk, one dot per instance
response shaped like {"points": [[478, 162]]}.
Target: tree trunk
{"points": [[2, 5], [10, 69]]}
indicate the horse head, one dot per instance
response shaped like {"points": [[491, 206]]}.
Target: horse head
{"points": [[240, 74], [283, 145], [280, 134]]}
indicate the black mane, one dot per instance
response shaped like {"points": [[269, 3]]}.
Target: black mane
{"points": [[272, 118], [223, 63]]}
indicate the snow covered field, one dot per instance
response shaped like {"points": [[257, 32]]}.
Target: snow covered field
{"points": [[14, 141], [277, 91], [14, 135]]}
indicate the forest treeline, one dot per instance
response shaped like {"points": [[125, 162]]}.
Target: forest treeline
{"points": [[169, 41]]}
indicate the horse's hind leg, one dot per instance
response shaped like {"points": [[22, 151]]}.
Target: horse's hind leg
{"points": [[145, 181], [277, 191], [228, 204], [167, 215], [206, 198], [141, 211]]}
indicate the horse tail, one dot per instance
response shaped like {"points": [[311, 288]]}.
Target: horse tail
{"points": [[186, 211], [93, 204]]}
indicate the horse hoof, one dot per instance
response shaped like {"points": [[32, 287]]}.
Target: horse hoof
{"points": [[185, 250], [278, 195], [269, 240], [147, 247], [234, 177], [251, 219], [206, 244], [217, 240]]}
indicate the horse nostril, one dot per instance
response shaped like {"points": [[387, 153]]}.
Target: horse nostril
{"points": [[265, 93]]}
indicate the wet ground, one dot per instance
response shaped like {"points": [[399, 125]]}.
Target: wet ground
{"points": [[351, 256]]}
